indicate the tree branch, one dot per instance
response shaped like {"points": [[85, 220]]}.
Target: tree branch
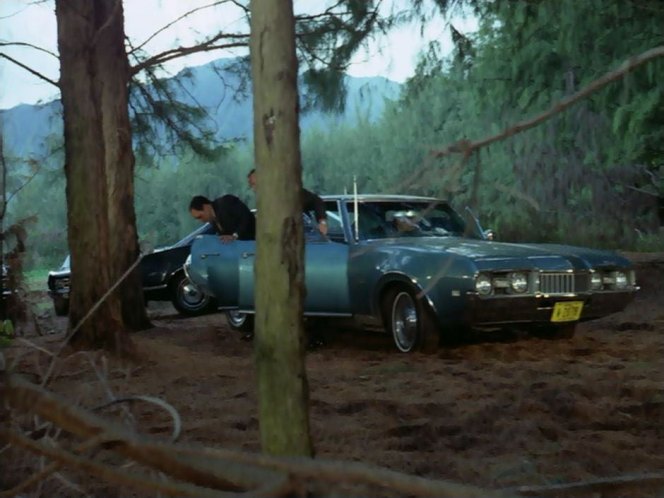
{"points": [[206, 468], [50, 469], [186, 14], [30, 70], [23, 44], [23, 185], [108, 473], [183, 51], [630, 64], [595, 487]]}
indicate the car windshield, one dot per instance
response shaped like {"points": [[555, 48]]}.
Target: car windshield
{"points": [[204, 229], [408, 218]]}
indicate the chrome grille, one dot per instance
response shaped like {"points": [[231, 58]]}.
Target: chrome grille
{"points": [[62, 283], [558, 283]]}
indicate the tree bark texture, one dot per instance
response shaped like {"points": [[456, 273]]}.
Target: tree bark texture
{"points": [[279, 345], [119, 157], [87, 53]]}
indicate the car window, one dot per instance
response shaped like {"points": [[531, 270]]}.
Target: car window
{"points": [[390, 219], [335, 229]]}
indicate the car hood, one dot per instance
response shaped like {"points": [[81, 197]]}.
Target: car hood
{"points": [[162, 249], [488, 253], [59, 273], [64, 271]]}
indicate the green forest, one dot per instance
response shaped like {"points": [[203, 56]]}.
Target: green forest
{"points": [[591, 175]]}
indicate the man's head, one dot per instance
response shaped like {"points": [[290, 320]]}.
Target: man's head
{"points": [[251, 179], [200, 208]]}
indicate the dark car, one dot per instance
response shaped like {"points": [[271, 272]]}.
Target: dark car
{"points": [[416, 268], [6, 292], [6, 288], [163, 279]]}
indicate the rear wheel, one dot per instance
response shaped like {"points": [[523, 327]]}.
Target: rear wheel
{"points": [[410, 321], [188, 299], [240, 321]]}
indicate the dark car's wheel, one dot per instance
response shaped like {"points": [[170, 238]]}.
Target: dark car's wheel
{"points": [[410, 322], [188, 299], [240, 321], [61, 305]]}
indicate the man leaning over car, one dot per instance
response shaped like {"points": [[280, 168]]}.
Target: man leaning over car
{"points": [[229, 215]]}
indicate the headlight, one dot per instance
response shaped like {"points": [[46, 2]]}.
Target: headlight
{"points": [[620, 279], [595, 280], [483, 285], [518, 282]]}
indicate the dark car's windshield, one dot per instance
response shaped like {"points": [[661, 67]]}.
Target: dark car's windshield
{"points": [[389, 219], [204, 229]]}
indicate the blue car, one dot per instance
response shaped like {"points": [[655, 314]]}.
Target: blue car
{"points": [[417, 269]]}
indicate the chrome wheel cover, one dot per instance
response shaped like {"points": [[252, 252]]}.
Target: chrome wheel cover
{"points": [[190, 296], [404, 322], [236, 318]]}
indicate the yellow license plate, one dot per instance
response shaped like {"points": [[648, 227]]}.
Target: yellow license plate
{"points": [[568, 311]]}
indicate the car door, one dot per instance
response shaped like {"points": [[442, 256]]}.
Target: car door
{"points": [[326, 281], [326, 277], [246, 261], [223, 264]]}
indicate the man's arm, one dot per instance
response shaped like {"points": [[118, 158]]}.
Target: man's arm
{"points": [[313, 202], [246, 222], [239, 221]]}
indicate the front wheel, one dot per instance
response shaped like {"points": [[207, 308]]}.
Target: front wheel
{"points": [[240, 321], [188, 299], [410, 322]]}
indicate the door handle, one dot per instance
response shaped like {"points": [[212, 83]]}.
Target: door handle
{"points": [[203, 256], [246, 255]]}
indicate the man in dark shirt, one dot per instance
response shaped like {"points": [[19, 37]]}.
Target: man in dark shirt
{"points": [[230, 216], [310, 202]]}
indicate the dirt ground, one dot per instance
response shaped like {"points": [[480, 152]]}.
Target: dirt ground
{"points": [[498, 412]]}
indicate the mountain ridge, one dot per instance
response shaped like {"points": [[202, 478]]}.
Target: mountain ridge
{"points": [[30, 130]]}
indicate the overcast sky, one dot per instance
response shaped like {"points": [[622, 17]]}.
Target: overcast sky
{"points": [[25, 21]]}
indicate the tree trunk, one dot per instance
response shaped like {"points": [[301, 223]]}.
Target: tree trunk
{"points": [[81, 28], [114, 72], [279, 344]]}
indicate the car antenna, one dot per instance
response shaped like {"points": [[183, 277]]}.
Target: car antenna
{"points": [[357, 218]]}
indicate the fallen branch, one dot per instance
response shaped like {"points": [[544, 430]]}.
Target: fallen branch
{"points": [[29, 397], [177, 423], [655, 482], [219, 472], [223, 469], [49, 469], [108, 473]]}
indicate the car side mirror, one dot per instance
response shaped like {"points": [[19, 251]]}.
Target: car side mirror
{"points": [[489, 234]]}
